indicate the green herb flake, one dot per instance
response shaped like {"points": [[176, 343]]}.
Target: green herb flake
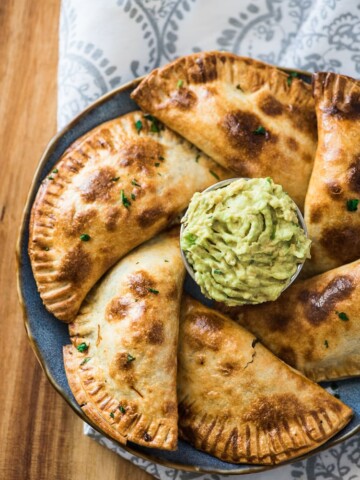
{"points": [[87, 359], [291, 76], [342, 316], [218, 272], [134, 182], [161, 158], [152, 290], [47, 249], [130, 358], [84, 237], [133, 196], [260, 130], [238, 87], [82, 347], [50, 177], [112, 415], [167, 261], [214, 175], [352, 204], [334, 385], [157, 164], [115, 179], [55, 170], [326, 343], [337, 395], [122, 409], [197, 158], [125, 201], [138, 126], [180, 83], [154, 127]]}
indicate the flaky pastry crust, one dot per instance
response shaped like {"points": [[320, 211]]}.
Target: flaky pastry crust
{"points": [[247, 115], [239, 402]]}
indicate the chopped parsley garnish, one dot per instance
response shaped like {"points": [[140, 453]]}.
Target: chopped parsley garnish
{"points": [[154, 127], [157, 164], [218, 272], [238, 87], [115, 179], [138, 126], [125, 201], [82, 347], [161, 158], [342, 316], [291, 76], [260, 131], [85, 237], [55, 170], [180, 83], [152, 290], [352, 204], [134, 182], [214, 175], [122, 409], [326, 343], [112, 415], [197, 157], [130, 358], [337, 395], [47, 249], [334, 385], [133, 196], [85, 360], [50, 177], [167, 261]]}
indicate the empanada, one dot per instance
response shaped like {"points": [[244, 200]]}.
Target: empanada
{"points": [[237, 401], [314, 326], [247, 115], [332, 214], [113, 189], [122, 365]]}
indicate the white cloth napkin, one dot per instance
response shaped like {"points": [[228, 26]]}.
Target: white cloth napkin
{"points": [[106, 43]]}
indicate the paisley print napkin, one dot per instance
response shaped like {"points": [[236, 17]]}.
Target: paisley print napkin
{"points": [[104, 44]]}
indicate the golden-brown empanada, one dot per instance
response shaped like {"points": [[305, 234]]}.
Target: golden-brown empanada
{"points": [[237, 401], [314, 326], [332, 214], [112, 190], [122, 364], [247, 115]]}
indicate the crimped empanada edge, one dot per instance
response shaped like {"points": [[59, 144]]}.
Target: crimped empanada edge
{"points": [[205, 67], [234, 445], [336, 94], [103, 409]]}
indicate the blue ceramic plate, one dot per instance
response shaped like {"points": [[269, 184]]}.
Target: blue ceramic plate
{"points": [[48, 336]]}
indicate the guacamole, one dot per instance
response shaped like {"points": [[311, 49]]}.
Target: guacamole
{"points": [[243, 241]]}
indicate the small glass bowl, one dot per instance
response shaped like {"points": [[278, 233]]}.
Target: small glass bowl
{"points": [[222, 184]]}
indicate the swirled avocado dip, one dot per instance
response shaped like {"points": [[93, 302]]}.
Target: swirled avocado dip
{"points": [[244, 241]]}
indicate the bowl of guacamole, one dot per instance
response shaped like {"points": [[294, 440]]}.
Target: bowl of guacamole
{"points": [[243, 241]]}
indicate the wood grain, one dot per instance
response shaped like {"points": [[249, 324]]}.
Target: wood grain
{"points": [[41, 437]]}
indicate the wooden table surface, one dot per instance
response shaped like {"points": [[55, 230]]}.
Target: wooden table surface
{"points": [[41, 437]]}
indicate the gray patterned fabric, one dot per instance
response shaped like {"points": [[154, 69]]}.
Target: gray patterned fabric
{"points": [[104, 44]]}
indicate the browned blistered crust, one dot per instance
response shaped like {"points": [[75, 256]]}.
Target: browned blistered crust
{"points": [[334, 230], [217, 101], [158, 172], [303, 326], [125, 380], [242, 404]]}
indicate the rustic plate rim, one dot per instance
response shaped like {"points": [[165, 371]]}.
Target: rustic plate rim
{"points": [[250, 469]]}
